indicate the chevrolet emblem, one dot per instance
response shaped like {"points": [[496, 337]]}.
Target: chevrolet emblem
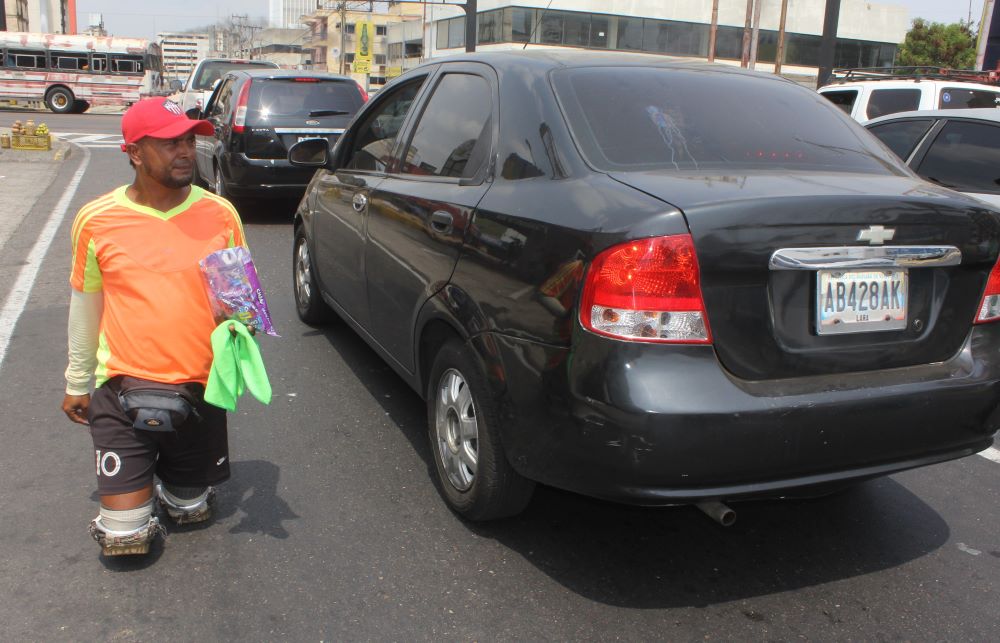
{"points": [[876, 235]]}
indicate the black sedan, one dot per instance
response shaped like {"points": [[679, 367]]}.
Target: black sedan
{"points": [[651, 281]]}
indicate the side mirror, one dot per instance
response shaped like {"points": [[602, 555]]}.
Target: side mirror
{"points": [[194, 114], [312, 152]]}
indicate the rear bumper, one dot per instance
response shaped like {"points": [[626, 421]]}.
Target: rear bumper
{"points": [[664, 425], [267, 178]]}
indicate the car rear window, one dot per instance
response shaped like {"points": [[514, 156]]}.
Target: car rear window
{"points": [[637, 118], [892, 101], [958, 98], [213, 71], [280, 97]]}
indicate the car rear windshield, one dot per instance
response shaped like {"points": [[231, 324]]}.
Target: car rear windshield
{"points": [[213, 71], [639, 118], [280, 97]]}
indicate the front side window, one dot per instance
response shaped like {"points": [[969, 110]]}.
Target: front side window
{"points": [[902, 136], [639, 118], [965, 156], [892, 101], [222, 99], [959, 98], [843, 98], [374, 139], [453, 136]]}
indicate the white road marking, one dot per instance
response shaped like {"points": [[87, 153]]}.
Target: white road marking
{"points": [[18, 297], [968, 550], [87, 139], [991, 454]]}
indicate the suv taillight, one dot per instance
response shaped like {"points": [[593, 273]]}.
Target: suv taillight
{"points": [[240, 115], [647, 290], [989, 306], [364, 94]]}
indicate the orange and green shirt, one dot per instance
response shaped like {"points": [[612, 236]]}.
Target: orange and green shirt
{"points": [[157, 320]]}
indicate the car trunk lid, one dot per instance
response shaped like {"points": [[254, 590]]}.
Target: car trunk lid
{"points": [[767, 310]]}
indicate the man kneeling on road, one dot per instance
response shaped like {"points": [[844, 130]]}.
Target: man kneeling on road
{"points": [[140, 321]]}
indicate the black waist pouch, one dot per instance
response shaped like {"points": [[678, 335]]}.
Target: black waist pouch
{"points": [[154, 406]]}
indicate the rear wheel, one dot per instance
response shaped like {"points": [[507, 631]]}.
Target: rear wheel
{"points": [[474, 476], [219, 185], [60, 100], [309, 302]]}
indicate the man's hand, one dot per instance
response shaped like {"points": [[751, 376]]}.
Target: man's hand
{"points": [[75, 407]]}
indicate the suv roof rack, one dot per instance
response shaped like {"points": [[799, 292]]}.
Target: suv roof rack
{"points": [[922, 72]]}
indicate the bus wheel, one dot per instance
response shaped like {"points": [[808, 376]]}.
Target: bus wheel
{"points": [[60, 100], [80, 106]]}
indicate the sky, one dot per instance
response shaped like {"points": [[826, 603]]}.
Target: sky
{"points": [[144, 18]]}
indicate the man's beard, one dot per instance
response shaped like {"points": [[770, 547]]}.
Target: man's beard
{"points": [[167, 179]]}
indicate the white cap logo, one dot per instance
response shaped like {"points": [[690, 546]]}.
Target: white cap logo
{"points": [[173, 107]]}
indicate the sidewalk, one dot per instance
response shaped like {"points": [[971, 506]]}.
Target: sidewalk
{"points": [[24, 176]]}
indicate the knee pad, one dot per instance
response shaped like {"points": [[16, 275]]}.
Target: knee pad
{"points": [[125, 532], [186, 505]]}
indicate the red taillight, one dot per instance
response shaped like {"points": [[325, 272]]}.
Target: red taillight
{"points": [[648, 290], [240, 115], [305, 80], [989, 305], [364, 94]]}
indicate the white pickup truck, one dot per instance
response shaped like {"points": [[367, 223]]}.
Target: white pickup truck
{"points": [[206, 72]]}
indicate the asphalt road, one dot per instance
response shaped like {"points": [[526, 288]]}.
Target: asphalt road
{"points": [[331, 528]]}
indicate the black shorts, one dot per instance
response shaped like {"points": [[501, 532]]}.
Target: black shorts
{"points": [[195, 455]]}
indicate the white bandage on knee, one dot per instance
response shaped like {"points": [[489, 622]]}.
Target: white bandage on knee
{"points": [[126, 521]]}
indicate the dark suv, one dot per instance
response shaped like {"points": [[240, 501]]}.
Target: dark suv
{"points": [[258, 115]]}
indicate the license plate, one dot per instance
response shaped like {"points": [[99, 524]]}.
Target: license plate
{"points": [[859, 301], [306, 138]]}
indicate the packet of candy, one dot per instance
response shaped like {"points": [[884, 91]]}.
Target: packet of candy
{"points": [[234, 289]]}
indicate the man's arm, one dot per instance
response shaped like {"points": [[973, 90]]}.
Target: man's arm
{"points": [[85, 311]]}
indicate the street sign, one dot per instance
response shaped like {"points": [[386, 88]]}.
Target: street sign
{"points": [[362, 66]]}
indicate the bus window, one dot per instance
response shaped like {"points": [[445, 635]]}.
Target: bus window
{"points": [[68, 60], [127, 64], [99, 62], [26, 58]]}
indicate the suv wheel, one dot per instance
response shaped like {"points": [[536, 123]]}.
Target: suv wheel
{"points": [[474, 476], [309, 303]]}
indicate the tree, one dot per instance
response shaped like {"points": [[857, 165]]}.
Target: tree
{"points": [[937, 44]]}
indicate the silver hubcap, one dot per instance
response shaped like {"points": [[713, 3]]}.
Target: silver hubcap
{"points": [[457, 429], [303, 288]]}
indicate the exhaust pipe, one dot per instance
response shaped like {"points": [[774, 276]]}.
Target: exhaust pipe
{"points": [[718, 512]]}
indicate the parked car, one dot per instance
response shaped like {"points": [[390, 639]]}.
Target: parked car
{"points": [[207, 72], [867, 99], [258, 115], [957, 149], [651, 281]]}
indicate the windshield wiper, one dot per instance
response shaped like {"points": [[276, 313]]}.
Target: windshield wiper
{"points": [[328, 112]]}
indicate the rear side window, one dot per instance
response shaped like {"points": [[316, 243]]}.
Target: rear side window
{"points": [[965, 156], [279, 97], [637, 118], [374, 139], [844, 98], [958, 98], [902, 136], [453, 134], [892, 101]]}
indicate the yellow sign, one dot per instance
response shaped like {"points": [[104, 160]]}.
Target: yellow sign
{"points": [[392, 72], [364, 37], [362, 66]]}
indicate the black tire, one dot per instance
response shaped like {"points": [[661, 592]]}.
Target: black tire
{"points": [[219, 182], [457, 395], [60, 100], [309, 302], [80, 106]]}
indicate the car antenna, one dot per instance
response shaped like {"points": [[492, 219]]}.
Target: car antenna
{"points": [[535, 28]]}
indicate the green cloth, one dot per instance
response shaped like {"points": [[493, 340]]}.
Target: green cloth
{"points": [[236, 367]]}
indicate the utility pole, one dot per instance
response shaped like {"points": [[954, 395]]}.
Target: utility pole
{"points": [[3, 16], [780, 53], [828, 45], [745, 57], [343, 37], [470, 7], [713, 31], [755, 39]]}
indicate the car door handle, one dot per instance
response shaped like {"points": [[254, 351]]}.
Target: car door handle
{"points": [[442, 221], [359, 202]]}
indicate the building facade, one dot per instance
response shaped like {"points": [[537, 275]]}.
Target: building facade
{"points": [[180, 53], [868, 33], [16, 15], [40, 16], [287, 14]]}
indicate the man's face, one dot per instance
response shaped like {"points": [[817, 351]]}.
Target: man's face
{"points": [[168, 161]]}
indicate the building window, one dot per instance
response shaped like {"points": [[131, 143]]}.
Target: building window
{"points": [[518, 24], [349, 28], [630, 33], [490, 25], [379, 59], [381, 30]]}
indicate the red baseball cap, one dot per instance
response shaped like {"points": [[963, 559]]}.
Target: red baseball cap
{"points": [[159, 118]]}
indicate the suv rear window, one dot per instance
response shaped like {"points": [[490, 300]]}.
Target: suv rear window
{"points": [[892, 101], [842, 98], [638, 118], [958, 98], [280, 97], [213, 71]]}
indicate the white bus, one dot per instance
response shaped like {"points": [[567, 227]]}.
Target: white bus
{"points": [[68, 74]]}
